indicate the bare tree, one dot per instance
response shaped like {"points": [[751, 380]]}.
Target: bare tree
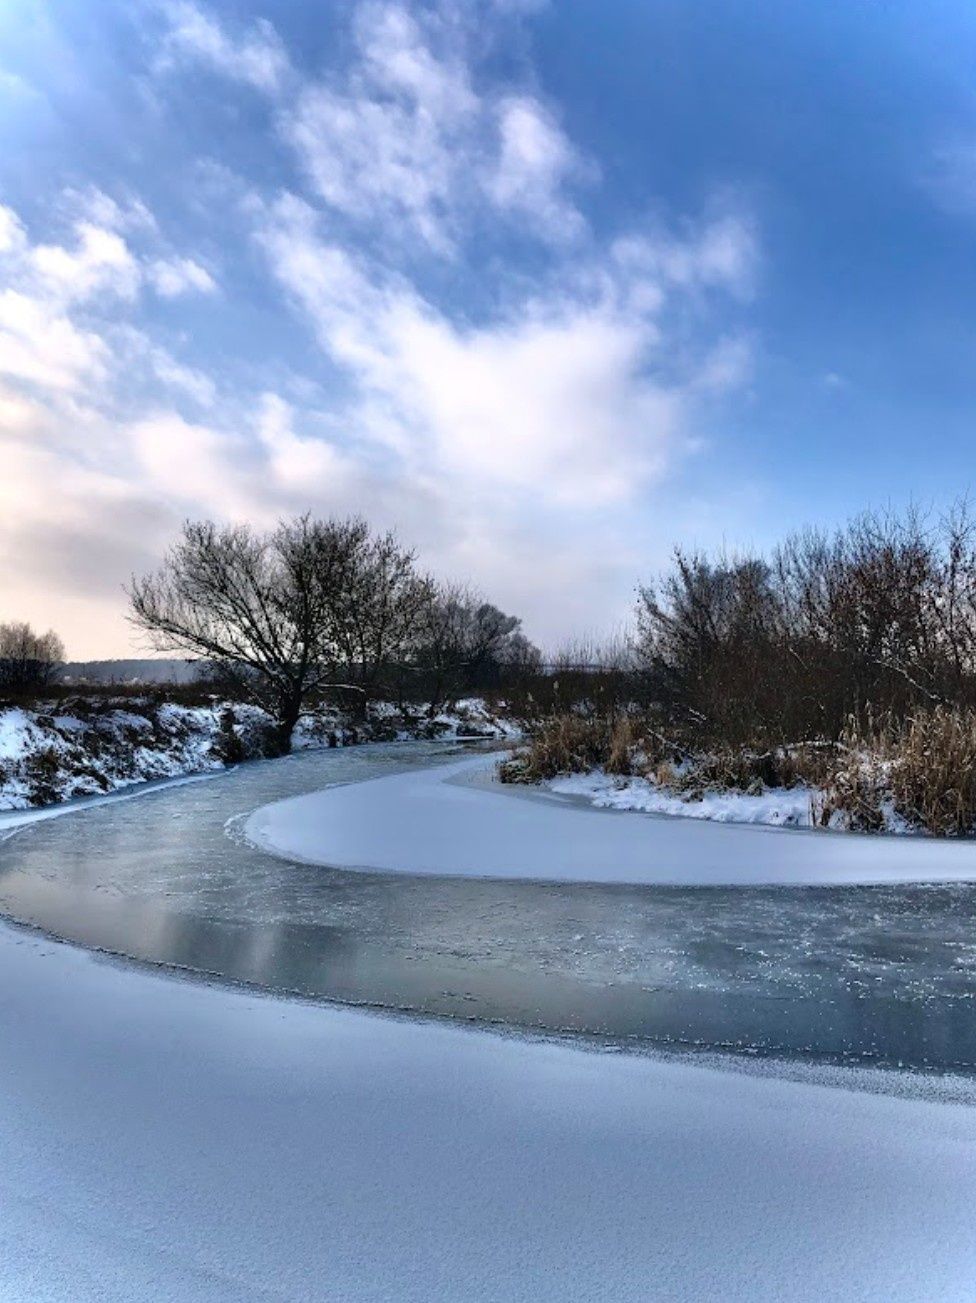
{"points": [[878, 616], [258, 605], [28, 660], [314, 604], [378, 608], [469, 642]]}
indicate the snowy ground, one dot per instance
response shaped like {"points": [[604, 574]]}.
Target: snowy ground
{"points": [[58, 753], [65, 753], [784, 807], [170, 1141], [459, 820]]}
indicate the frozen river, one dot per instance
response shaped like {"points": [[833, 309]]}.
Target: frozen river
{"points": [[879, 973]]}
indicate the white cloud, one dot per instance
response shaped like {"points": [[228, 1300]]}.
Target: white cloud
{"points": [[13, 237], [100, 209], [198, 465], [556, 398], [257, 57], [300, 464], [500, 379], [403, 138], [728, 365], [60, 319], [41, 345], [172, 277], [101, 261], [556, 409], [722, 253], [534, 163], [402, 107], [199, 386]]}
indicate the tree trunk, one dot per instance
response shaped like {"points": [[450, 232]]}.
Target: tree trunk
{"points": [[284, 726]]}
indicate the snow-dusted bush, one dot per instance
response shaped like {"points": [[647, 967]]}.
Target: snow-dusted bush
{"points": [[921, 772], [933, 771]]}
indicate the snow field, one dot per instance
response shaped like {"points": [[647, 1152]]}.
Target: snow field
{"points": [[191, 1144], [458, 820]]}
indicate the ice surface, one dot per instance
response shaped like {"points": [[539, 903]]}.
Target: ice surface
{"points": [[879, 973], [10, 820], [458, 821], [188, 1144]]}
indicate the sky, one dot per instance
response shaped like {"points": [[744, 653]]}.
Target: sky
{"points": [[546, 288]]}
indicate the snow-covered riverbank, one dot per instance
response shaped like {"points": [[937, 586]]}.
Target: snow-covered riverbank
{"points": [[780, 807], [162, 1139], [85, 747], [459, 820]]}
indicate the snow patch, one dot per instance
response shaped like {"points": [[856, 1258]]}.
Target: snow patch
{"points": [[165, 1140], [788, 807], [459, 821]]}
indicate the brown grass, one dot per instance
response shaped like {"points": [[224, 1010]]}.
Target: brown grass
{"points": [[923, 769], [565, 744], [933, 771]]}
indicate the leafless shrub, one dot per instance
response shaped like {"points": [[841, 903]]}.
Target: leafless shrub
{"points": [[854, 793], [622, 742], [922, 769], [570, 743]]}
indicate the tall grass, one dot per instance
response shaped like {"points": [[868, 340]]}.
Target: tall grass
{"points": [[565, 744], [919, 772]]}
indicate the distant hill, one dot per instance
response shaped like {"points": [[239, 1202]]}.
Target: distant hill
{"points": [[130, 671]]}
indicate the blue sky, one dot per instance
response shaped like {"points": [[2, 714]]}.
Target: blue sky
{"points": [[546, 287]]}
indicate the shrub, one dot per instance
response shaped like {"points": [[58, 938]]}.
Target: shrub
{"points": [[933, 771], [922, 770], [570, 743], [622, 742], [757, 650], [42, 770], [564, 744], [854, 793]]}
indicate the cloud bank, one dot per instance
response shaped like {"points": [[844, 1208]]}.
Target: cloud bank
{"points": [[501, 377]]}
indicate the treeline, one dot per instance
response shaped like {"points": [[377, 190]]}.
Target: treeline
{"points": [[321, 608], [876, 619], [873, 623], [28, 660], [843, 661]]}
